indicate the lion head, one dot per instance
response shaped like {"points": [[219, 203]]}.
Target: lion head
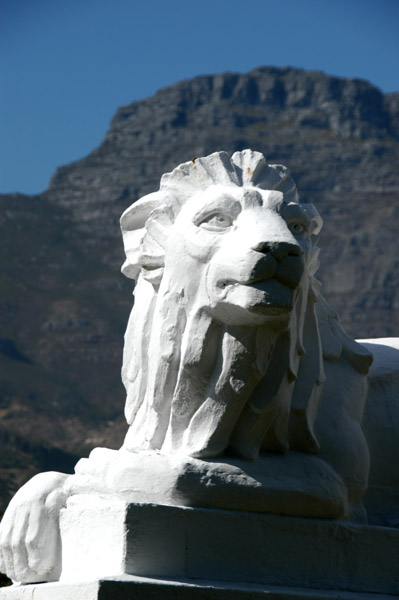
{"points": [[222, 350]]}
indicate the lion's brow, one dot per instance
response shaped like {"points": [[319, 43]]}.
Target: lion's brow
{"points": [[294, 211]]}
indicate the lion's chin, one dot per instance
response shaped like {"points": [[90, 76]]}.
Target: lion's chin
{"points": [[254, 303]]}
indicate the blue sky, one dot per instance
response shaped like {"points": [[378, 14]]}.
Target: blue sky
{"points": [[67, 66]]}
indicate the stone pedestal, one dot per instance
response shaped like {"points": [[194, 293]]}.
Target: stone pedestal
{"points": [[103, 538], [120, 550]]}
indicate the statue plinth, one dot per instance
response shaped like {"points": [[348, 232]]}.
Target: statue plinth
{"points": [[214, 551], [110, 538]]}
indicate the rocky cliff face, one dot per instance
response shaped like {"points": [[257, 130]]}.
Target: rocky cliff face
{"points": [[64, 304], [339, 137]]}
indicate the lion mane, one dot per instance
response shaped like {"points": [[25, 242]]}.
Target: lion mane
{"points": [[202, 387]]}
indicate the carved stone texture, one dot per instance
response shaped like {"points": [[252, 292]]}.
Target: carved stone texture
{"points": [[243, 390], [224, 348]]}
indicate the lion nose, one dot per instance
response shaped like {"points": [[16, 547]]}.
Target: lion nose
{"points": [[279, 250]]}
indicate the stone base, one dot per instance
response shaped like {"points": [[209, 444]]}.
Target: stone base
{"points": [[140, 588], [115, 550], [109, 538]]}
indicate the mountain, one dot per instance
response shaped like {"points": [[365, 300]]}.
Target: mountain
{"points": [[63, 302]]}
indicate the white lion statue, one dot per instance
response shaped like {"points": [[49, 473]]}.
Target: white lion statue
{"points": [[243, 390]]}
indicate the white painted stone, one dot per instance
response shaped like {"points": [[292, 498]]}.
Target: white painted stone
{"points": [[87, 528], [295, 484], [381, 427], [385, 354], [243, 390], [53, 591], [201, 544], [30, 542]]}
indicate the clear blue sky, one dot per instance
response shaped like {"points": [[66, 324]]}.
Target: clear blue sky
{"points": [[67, 65]]}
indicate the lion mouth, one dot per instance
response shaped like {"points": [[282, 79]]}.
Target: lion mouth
{"points": [[266, 297], [288, 272]]}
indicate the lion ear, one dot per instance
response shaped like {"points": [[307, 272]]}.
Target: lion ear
{"points": [[152, 249], [136, 215], [133, 230], [145, 227], [316, 222], [158, 226]]}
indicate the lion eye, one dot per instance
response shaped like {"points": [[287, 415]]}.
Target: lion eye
{"points": [[296, 227], [217, 221]]}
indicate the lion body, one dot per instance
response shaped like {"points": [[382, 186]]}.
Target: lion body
{"points": [[231, 349]]}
